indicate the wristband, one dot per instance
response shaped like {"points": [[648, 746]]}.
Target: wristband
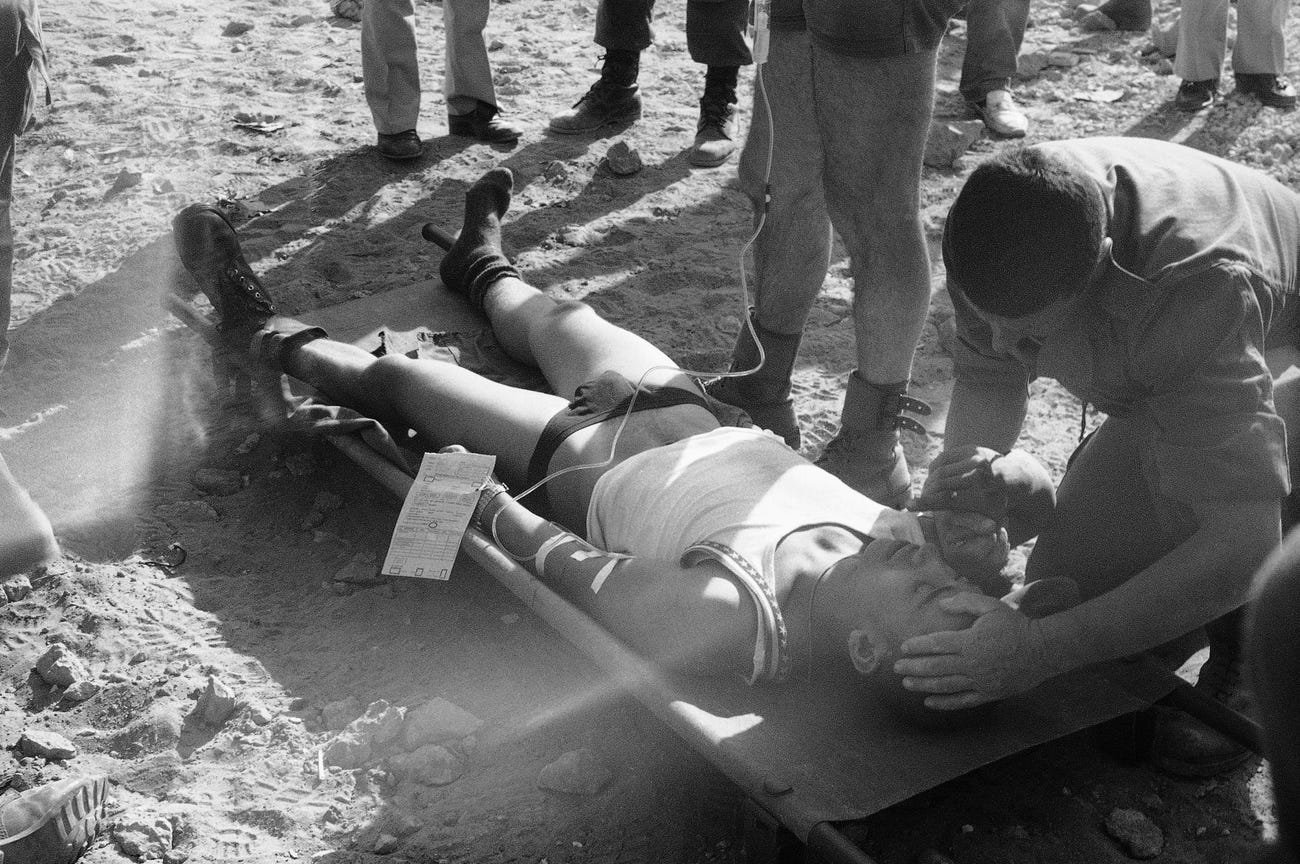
{"points": [[491, 488]]}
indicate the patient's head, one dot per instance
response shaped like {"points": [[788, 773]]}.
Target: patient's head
{"points": [[872, 602]]}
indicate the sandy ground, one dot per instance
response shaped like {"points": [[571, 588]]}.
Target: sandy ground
{"points": [[114, 426]]}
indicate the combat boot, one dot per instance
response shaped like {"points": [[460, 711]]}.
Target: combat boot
{"points": [[866, 453], [765, 394], [613, 99], [1186, 747]]}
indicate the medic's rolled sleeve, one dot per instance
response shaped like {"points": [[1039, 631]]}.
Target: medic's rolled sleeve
{"points": [[1216, 434]]}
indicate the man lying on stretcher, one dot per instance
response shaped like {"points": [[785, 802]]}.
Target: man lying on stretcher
{"points": [[708, 548]]}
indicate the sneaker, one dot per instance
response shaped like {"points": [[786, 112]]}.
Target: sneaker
{"points": [[399, 146], [483, 123], [209, 248], [605, 104], [1186, 747], [1196, 95], [54, 823], [1273, 90], [713, 138], [1001, 115], [872, 463]]}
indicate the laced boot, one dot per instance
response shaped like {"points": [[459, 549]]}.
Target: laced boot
{"points": [[866, 454], [614, 98], [716, 130], [1186, 747], [51, 824], [764, 395]]}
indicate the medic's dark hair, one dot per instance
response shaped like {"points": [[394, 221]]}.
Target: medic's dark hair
{"points": [[1026, 230]]}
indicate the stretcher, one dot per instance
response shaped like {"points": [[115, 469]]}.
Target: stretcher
{"points": [[808, 759]]}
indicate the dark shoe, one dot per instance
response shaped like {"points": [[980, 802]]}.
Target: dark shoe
{"points": [[714, 140], [1186, 747], [399, 146], [54, 823], [1273, 90], [764, 393], [483, 123], [1196, 95], [605, 104], [209, 248]]}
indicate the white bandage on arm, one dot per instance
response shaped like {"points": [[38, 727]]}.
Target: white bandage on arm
{"points": [[572, 565]]}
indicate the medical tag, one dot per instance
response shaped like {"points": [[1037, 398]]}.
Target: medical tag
{"points": [[435, 513]]}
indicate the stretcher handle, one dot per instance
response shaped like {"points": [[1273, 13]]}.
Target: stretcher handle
{"points": [[434, 234]]}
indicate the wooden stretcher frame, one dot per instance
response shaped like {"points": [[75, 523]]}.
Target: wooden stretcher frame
{"points": [[776, 817]]}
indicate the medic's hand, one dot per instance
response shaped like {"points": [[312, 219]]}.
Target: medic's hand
{"points": [[971, 543], [1000, 655], [965, 479]]}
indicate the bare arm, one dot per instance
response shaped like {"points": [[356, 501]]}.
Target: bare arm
{"points": [[692, 618], [985, 415]]}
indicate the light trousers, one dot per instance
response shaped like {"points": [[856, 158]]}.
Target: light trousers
{"points": [[1203, 38], [391, 71]]}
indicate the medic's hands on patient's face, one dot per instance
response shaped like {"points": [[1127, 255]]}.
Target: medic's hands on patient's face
{"points": [[971, 543], [1000, 655], [967, 478]]}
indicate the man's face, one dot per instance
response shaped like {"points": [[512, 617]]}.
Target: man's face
{"points": [[897, 587], [1023, 337]]}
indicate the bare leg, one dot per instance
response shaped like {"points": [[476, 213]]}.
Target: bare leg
{"points": [[566, 339]]}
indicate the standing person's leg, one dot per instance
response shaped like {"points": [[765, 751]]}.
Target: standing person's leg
{"points": [[1273, 652], [624, 30], [26, 538], [994, 32], [1259, 54], [874, 116], [467, 82], [391, 73], [715, 36], [1202, 41], [781, 174], [21, 59]]}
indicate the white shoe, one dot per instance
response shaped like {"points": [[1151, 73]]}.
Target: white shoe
{"points": [[1002, 116]]}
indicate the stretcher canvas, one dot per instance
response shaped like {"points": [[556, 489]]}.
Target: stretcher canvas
{"points": [[806, 752]]}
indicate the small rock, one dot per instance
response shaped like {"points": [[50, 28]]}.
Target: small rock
{"points": [[217, 481], [1141, 838], [431, 765], [347, 750], [143, 837], [1030, 64], [299, 20], [249, 444], [137, 658], [113, 60], [80, 691], [349, 9], [60, 667], [259, 714], [381, 723], [362, 569], [436, 721], [578, 772], [46, 745], [337, 715], [949, 139], [1063, 59], [385, 844], [216, 703], [124, 180], [237, 28], [622, 159], [932, 856], [15, 588]]}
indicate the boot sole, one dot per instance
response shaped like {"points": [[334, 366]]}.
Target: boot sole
{"points": [[618, 120], [66, 830]]}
